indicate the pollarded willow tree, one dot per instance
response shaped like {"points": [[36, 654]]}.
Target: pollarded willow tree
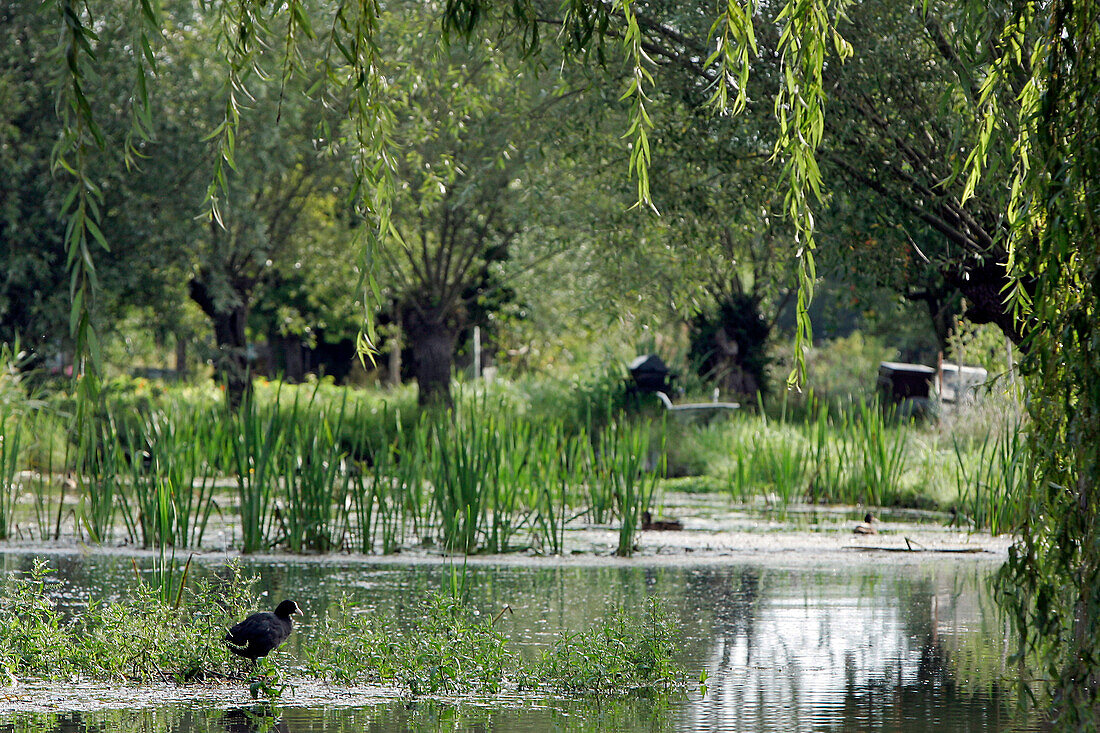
{"points": [[1026, 87], [471, 125]]}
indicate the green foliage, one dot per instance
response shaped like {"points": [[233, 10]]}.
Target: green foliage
{"points": [[618, 655], [623, 468], [447, 649], [1034, 95], [33, 637], [451, 648], [737, 326], [316, 468], [143, 637]]}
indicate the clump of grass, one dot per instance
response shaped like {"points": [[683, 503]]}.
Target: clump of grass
{"points": [[451, 648], [883, 452], [150, 634], [448, 649], [169, 628], [11, 437], [315, 483], [618, 655], [623, 465], [257, 443], [993, 480]]}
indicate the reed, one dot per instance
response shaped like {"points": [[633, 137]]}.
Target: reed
{"points": [[413, 496], [464, 455], [11, 437], [564, 467], [100, 483], [993, 482], [258, 440], [316, 482], [624, 451], [829, 454], [883, 448]]}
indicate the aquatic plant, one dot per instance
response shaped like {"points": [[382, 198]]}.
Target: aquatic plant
{"points": [[162, 630], [993, 482], [168, 627], [154, 632], [448, 648], [315, 484], [34, 640], [882, 450], [258, 441], [624, 464], [617, 655], [11, 434], [563, 468]]}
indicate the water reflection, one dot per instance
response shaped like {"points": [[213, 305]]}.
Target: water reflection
{"points": [[866, 647]]}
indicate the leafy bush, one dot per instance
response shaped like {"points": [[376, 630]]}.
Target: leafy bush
{"points": [[142, 637], [618, 655], [447, 650]]}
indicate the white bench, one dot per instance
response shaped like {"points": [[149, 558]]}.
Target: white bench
{"points": [[697, 408]]}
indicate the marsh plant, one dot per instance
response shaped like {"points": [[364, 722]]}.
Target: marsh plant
{"points": [[148, 634], [168, 626], [317, 468], [11, 439], [617, 655], [448, 648], [994, 483]]}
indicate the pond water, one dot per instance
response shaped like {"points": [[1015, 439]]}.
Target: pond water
{"points": [[843, 642]]}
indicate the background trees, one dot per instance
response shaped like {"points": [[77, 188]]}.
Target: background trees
{"points": [[472, 124]]}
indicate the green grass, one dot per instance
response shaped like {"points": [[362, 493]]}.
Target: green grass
{"points": [[317, 468]]}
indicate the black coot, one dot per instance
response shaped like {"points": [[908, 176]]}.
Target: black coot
{"points": [[258, 634]]}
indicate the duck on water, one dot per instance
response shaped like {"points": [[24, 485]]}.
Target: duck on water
{"points": [[262, 632]]}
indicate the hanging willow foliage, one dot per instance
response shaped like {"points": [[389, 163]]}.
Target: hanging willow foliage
{"points": [[1051, 584]]}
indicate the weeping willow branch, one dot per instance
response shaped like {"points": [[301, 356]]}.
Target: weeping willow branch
{"points": [[373, 157], [640, 122], [808, 28]]}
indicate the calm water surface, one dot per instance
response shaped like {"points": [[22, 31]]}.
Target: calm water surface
{"points": [[862, 644]]}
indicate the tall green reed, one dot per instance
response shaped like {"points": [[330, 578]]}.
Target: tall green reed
{"points": [[883, 447], [464, 450], [259, 437], [11, 436], [993, 482], [316, 482], [564, 464], [624, 463], [100, 483], [167, 497]]}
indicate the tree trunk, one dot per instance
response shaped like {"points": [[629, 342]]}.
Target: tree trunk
{"points": [[394, 379], [983, 286], [231, 362], [290, 355], [432, 341], [181, 355], [729, 346]]}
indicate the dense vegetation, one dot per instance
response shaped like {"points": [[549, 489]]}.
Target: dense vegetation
{"points": [[512, 466], [169, 627], [945, 151]]}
